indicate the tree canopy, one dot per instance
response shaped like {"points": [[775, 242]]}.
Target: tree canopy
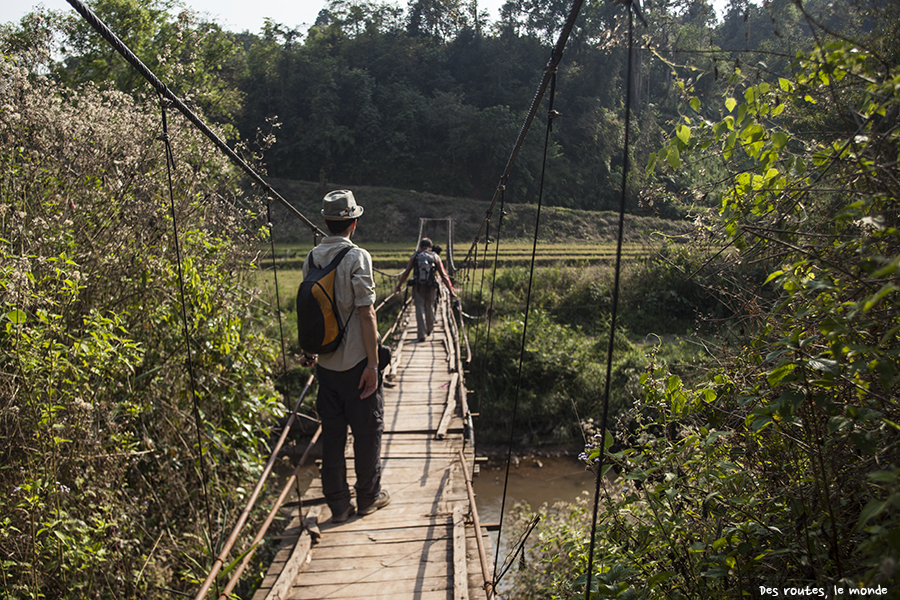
{"points": [[430, 97]]}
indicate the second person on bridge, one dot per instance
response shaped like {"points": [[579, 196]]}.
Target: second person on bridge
{"points": [[426, 267]]}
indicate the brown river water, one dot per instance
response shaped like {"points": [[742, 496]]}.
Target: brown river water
{"points": [[558, 478]]}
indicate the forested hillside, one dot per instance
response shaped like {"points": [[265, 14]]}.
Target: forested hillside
{"points": [[429, 98]]}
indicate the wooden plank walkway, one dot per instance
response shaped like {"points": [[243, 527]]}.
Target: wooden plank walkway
{"points": [[422, 546]]}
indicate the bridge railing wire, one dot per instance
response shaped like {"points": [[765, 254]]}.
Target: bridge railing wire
{"points": [[633, 9], [276, 506], [170, 166]]}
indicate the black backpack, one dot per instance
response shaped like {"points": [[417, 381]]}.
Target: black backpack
{"points": [[318, 323]]}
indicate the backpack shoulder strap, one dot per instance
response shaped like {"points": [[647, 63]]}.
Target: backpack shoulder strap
{"points": [[340, 256], [311, 261]]}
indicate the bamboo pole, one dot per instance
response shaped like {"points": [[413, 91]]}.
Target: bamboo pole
{"points": [[488, 585], [271, 517]]}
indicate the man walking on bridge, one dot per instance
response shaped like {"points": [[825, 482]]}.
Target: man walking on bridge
{"points": [[426, 267], [350, 386]]}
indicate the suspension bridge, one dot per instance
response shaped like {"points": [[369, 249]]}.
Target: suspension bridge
{"points": [[428, 543]]}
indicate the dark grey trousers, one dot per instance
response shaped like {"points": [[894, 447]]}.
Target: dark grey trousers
{"points": [[339, 405]]}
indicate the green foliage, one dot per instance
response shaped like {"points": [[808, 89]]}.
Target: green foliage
{"points": [[564, 366], [194, 57], [563, 375], [668, 292], [780, 469], [102, 494]]}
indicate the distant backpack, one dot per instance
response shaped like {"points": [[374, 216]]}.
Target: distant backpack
{"points": [[318, 322], [424, 268]]}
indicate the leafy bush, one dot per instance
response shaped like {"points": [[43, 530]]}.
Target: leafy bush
{"points": [[102, 491], [563, 375]]}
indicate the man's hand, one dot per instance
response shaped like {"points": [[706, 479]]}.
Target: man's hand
{"points": [[308, 360], [368, 382]]}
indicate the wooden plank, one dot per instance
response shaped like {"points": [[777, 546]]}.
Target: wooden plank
{"points": [[417, 409], [362, 560], [399, 520], [395, 589], [411, 397], [460, 572], [415, 488], [367, 548], [425, 382], [449, 408], [337, 539], [397, 595], [374, 571], [476, 577], [399, 452], [422, 475], [414, 392], [452, 357], [281, 589], [428, 444], [391, 369]]}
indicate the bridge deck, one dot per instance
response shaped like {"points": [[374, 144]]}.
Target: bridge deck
{"points": [[422, 546]]}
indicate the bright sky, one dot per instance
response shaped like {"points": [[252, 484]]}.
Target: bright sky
{"points": [[236, 15]]}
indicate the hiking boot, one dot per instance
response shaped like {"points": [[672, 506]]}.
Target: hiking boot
{"points": [[343, 516], [381, 500]]}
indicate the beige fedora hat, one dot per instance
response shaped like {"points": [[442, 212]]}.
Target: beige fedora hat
{"points": [[340, 205]]}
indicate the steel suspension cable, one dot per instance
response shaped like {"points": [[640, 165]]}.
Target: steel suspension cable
{"points": [[549, 71], [170, 166], [551, 115], [277, 291], [164, 91], [615, 301]]}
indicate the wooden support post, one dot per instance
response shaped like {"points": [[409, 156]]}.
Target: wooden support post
{"points": [[482, 556], [391, 371], [449, 335]]}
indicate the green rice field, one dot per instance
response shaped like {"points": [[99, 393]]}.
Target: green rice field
{"points": [[394, 257], [390, 260]]}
